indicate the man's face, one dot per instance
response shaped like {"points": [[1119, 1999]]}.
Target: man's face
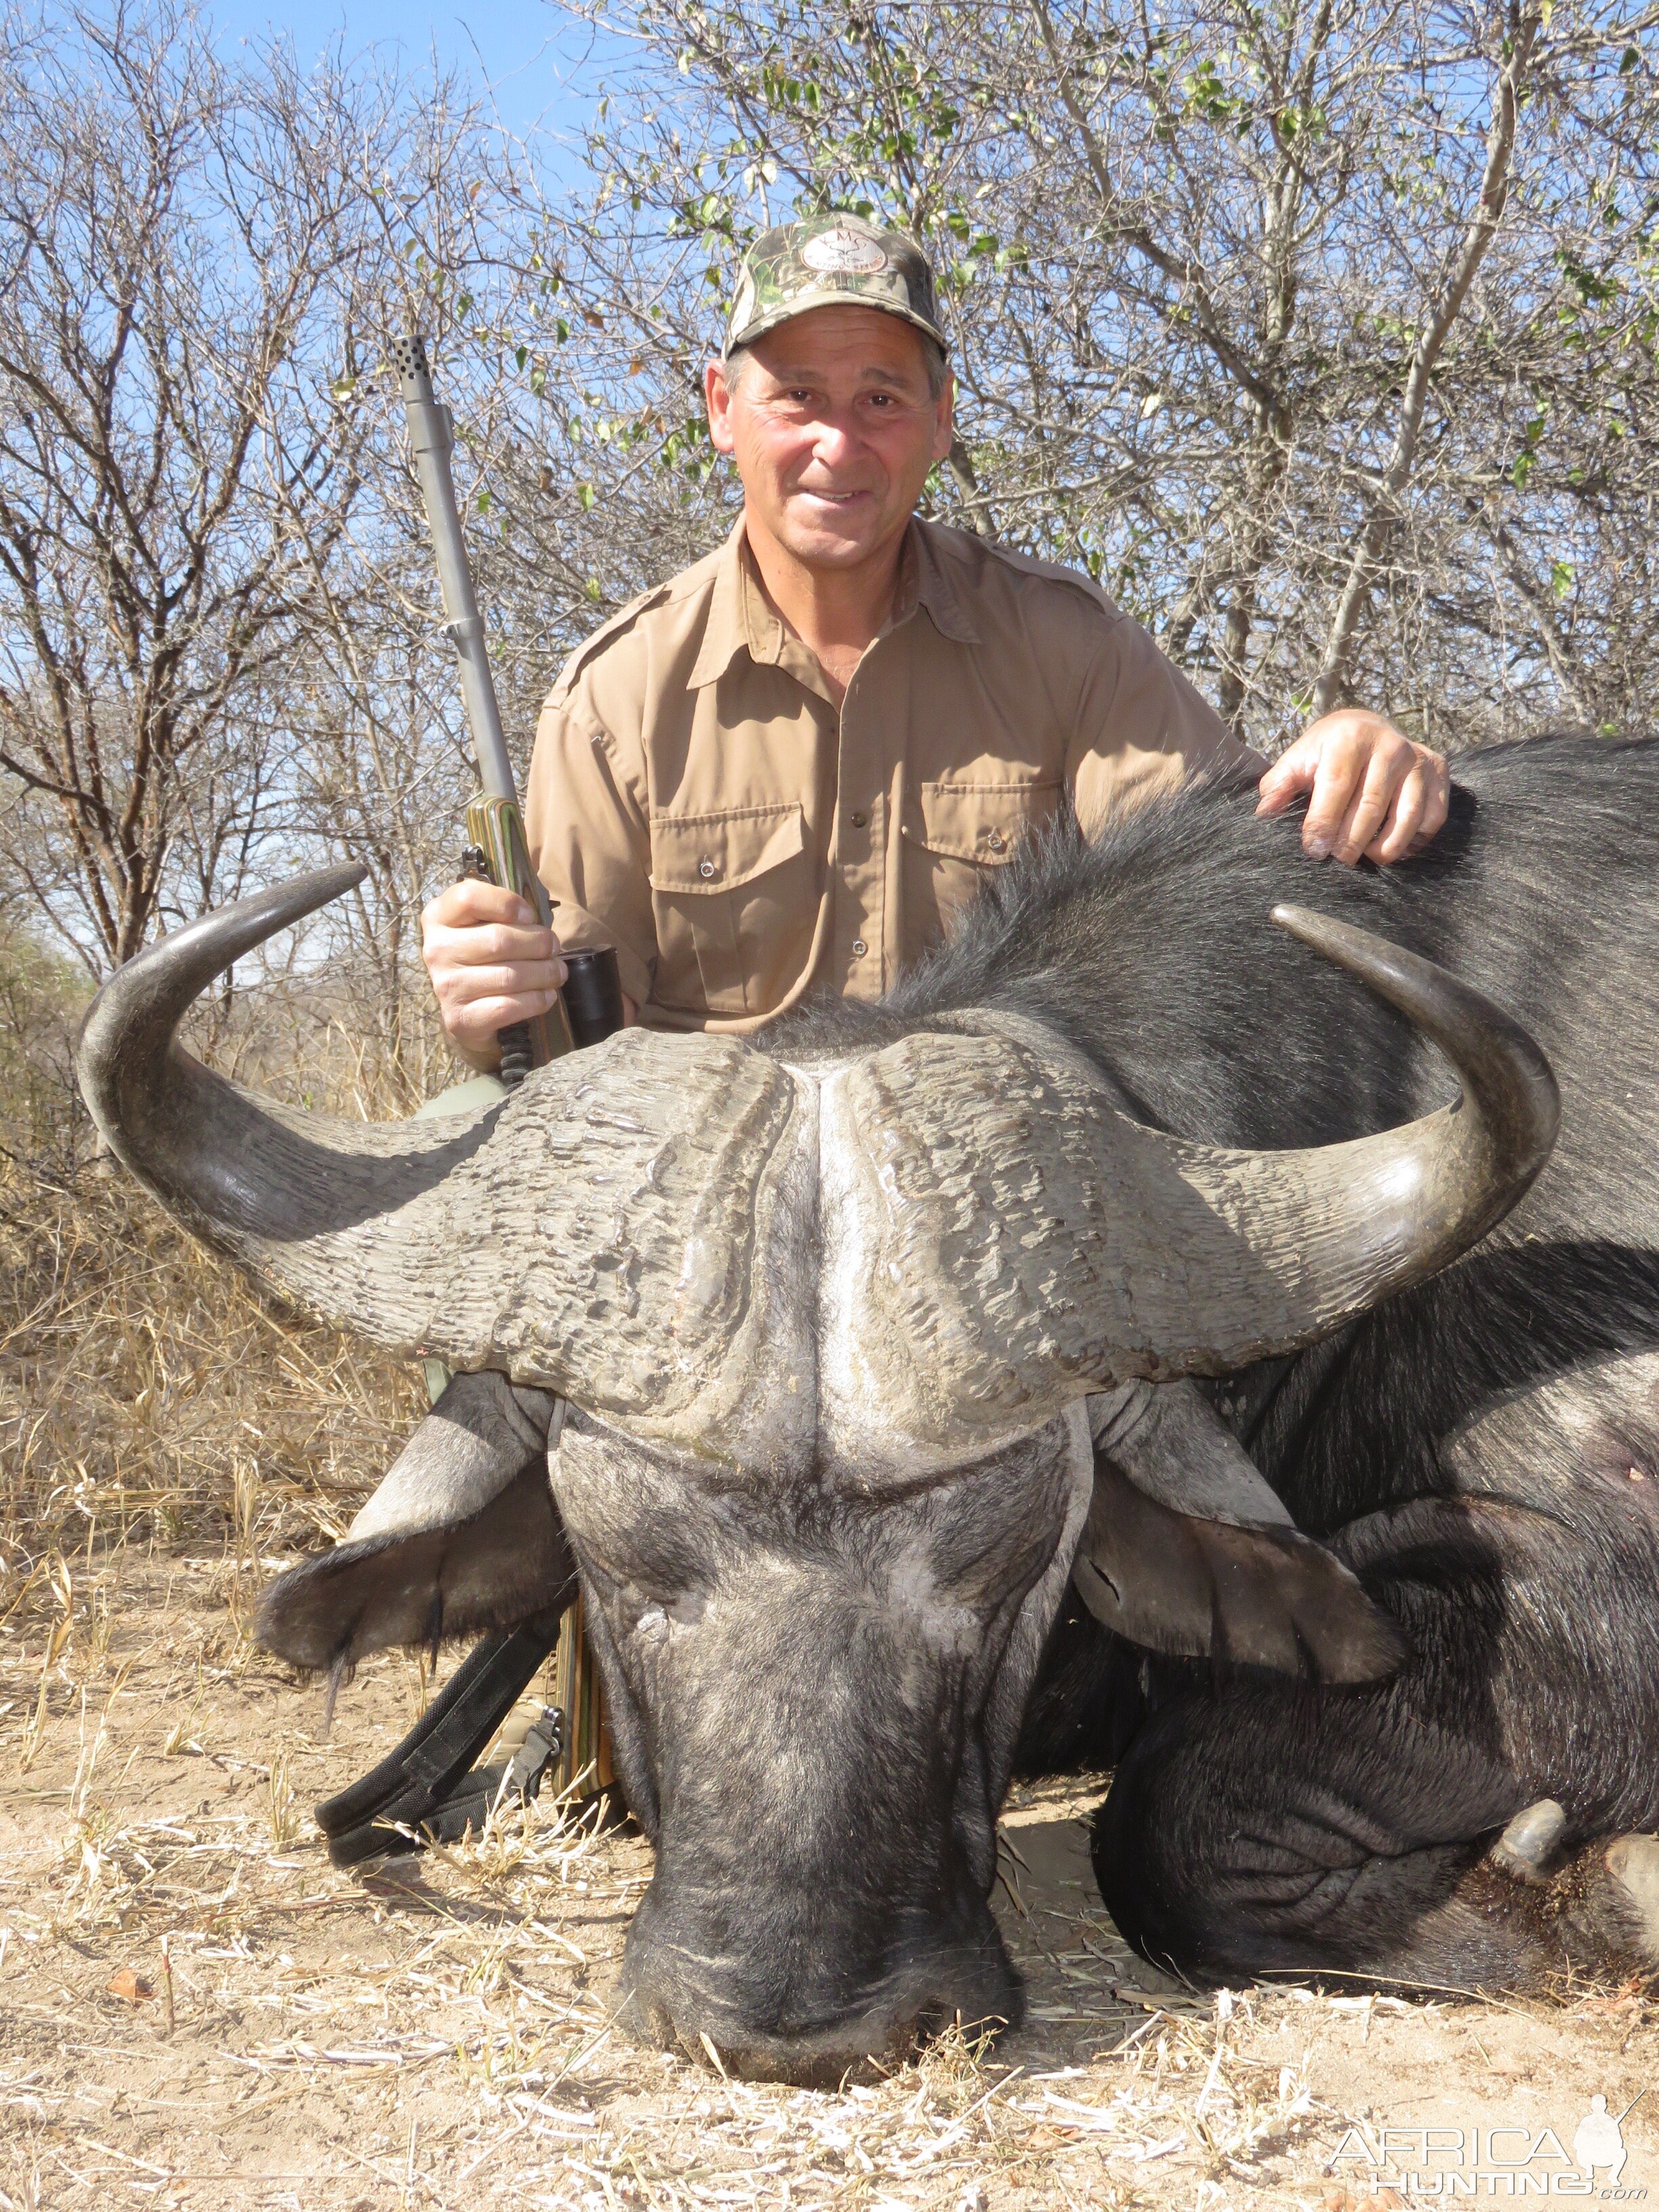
{"points": [[833, 429]]}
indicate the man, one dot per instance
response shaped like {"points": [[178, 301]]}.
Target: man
{"points": [[786, 769]]}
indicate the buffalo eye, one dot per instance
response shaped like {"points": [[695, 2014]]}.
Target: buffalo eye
{"points": [[652, 1623]]}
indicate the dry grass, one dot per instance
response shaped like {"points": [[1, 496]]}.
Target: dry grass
{"points": [[146, 1397], [200, 2011], [444, 2032], [196, 2009]]}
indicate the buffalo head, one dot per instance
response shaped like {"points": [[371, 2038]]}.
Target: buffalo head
{"points": [[853, 1346]]}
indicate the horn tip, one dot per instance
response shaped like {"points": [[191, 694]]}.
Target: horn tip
{"points": [[1375, 960], [132, 1020], [1301, 921]]}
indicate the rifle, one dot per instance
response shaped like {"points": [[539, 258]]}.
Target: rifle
{"points": [[590, 1006], [495, 827]]}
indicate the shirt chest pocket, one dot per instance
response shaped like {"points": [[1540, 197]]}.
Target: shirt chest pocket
{"points": [[953, 832], [733, 906]]}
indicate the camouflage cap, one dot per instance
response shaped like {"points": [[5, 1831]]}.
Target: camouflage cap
{"points": [[825, 260]]}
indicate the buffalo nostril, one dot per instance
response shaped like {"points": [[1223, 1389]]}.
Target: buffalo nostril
{"points": [[824, 2059], [740, 2015], [833, 2056]]}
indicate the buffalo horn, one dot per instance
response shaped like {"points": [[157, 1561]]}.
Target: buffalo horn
{"points": [[577, 1233], [303, 1200], [1027, 1238], [1335, 1229]]}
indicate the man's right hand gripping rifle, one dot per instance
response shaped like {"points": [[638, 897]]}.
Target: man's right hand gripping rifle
{"points": [[492, 963]]}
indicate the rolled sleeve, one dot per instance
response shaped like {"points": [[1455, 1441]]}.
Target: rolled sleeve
{"points": [[1142, 729], [588, 832]]}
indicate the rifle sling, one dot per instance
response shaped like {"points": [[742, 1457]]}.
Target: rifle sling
{"points": [[428, 1783]]}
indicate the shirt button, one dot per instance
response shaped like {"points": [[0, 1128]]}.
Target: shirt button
{"points": [[859, 948], [860, 820], [995, 840], [705, 869]]}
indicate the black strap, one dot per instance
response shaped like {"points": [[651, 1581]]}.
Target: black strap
{"points": [[427, 1786]]}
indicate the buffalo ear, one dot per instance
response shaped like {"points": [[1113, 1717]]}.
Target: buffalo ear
{"points": [[491, 1572], [1247, 1597]]}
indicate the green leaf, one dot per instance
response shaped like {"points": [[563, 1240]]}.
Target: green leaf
{"points": [[1592, 290]]}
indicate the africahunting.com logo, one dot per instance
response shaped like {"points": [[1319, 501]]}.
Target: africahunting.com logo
{"points": [[1395, 2166]]}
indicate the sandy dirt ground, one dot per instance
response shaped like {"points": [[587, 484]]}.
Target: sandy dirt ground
{"points": [[196, 2010]]}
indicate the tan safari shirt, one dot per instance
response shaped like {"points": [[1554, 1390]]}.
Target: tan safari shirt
{"points": [[696, 799]]}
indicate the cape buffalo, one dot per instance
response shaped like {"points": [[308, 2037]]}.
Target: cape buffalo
{"points": [[1129, 1251]]}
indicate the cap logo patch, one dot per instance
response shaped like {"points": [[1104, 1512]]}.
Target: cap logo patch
{"points": [[843, 253]]}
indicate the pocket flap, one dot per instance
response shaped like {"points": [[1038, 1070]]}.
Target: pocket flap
{"points": [[718, 852], [981, 822]]}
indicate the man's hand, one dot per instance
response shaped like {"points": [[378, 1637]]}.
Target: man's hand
{"points": [[491, 964], [1374, 793]]}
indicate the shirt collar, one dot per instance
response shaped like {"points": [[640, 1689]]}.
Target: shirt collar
{"points": [[732, 604], [740, 615], [934, 589]]}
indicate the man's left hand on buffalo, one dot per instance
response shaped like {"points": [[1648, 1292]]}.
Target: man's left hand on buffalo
{"points": [[1373, 792]]}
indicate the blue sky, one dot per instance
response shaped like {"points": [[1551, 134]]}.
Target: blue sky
{"points": [[541, 65]]}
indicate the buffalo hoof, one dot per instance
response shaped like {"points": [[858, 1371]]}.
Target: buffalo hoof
{"points": [[1619, 1901], [1633, 1869], [1528, 1844]]}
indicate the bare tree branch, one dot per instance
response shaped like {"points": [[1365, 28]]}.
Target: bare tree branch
{"points": [[1333, 679]]}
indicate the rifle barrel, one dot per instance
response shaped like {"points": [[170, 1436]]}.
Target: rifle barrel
{"points": [[432, 439]]}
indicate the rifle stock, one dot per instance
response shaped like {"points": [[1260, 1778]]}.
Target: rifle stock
{"points": [[494, 828]]}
